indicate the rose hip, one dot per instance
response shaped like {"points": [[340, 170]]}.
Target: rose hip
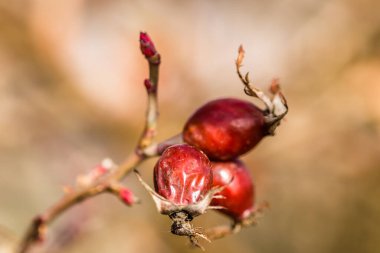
{"points": [[239, 191], [225, 128], [183, 175], [182, 181]]}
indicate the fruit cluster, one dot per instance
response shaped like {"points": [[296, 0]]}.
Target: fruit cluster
{"points": [[198, 170], [203, 171]]}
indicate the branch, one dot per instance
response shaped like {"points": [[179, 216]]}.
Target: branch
{"points": [[106, 178]]}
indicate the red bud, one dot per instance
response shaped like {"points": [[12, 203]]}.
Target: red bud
{"points": [[149, 86], [147, 46], [126, 196]]}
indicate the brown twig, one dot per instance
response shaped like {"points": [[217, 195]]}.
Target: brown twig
{"points": [[111, 182]]}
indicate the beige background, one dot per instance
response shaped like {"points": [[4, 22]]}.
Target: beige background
{"points": [[71, 94]]}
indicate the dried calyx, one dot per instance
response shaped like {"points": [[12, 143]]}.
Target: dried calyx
{"points": [[276, 106], [182, 215]]}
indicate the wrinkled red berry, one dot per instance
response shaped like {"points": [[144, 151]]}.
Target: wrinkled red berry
{"points": [[239, 192], [225, 128], [183, 175]]}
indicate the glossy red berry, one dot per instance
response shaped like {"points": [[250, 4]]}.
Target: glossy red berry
{"points": [[183, 175], [225, 128], [239, 191]]}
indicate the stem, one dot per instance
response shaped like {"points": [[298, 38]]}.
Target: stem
{"points": [[37, 228], [159, 148]]}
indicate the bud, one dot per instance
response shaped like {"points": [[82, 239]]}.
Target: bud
{"points": [[150, 87], [147, 46], [127, 196]]}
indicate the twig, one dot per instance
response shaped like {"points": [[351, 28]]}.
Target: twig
{"points": [[111, 182]]}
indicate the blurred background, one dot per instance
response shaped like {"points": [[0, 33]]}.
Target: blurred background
{"points": [[71, 94]]}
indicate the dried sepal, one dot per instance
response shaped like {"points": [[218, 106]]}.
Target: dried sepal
{"points": [[163, 205], [280, 105], [181, 215], [275, 107], [167, 207], [239, 60]]}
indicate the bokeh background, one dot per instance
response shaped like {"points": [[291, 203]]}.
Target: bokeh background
{"points": [[71, 94]]}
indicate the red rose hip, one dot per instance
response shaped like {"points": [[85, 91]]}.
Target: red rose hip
{"points": [[239, 191], [225, 128], [182, 182], [183, 175]]}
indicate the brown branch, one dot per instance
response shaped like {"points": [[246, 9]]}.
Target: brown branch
{"points": [[111, 181]]}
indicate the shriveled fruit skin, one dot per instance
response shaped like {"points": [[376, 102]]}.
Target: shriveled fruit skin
{"points": [[239, 192], [183, 174], [225, 128]]}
